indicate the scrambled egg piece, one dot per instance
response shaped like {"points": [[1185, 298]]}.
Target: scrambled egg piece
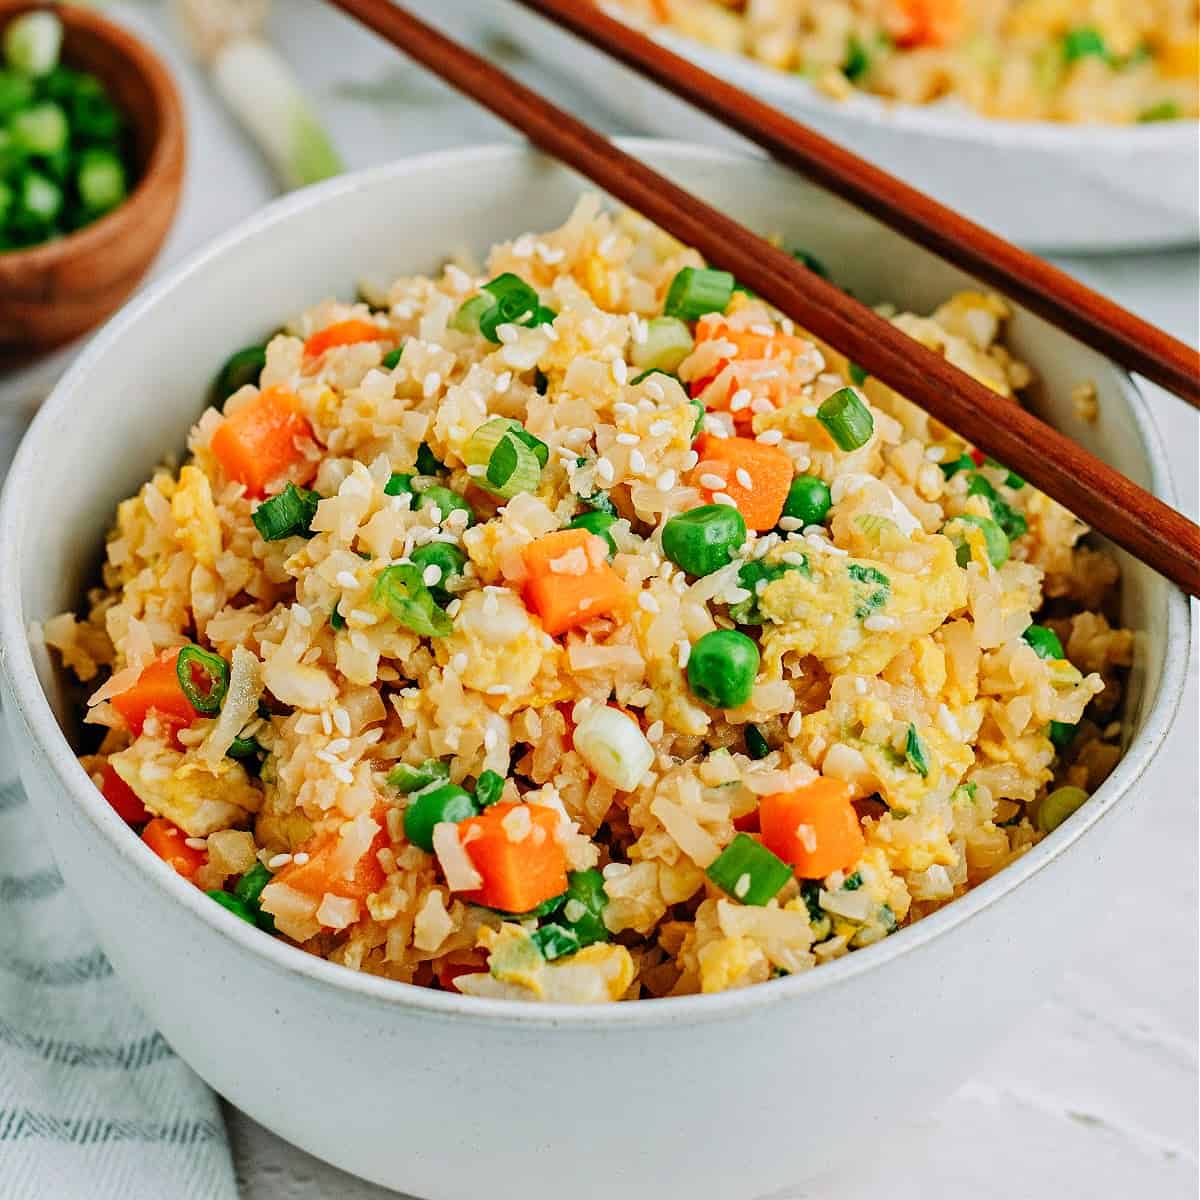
{"points": [[595, 974], [857, 613], [198, 527], [502, 647], [196, 797]]}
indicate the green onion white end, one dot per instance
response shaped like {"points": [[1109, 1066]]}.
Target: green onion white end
{"points": [[614, 747]]}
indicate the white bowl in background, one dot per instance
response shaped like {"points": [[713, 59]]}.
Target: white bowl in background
{"points": [[730, 1096], [1048, 186]]}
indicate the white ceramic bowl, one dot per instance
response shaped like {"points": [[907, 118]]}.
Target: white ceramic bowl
{"points": [[1051, 187], [729, 1096]]}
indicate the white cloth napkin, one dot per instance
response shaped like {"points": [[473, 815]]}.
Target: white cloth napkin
{"points": [[94, 1105]]}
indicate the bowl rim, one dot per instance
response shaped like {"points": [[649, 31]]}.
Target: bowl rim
{"points": [[162, 162], [33, 710], [947, 119]]}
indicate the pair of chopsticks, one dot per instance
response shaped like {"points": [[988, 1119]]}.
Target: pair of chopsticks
{"points": [[1099, 495]]}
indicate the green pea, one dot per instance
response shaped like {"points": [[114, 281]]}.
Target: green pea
{"points": [[597, 523], [704, 539], [241, 368], [1062, 734], [808, 500], [1044, 641], [448, 558], [446, 502], [489, 787], [1058, 806], [249, 887], [426, 809], [722, 668], [238, 907]]}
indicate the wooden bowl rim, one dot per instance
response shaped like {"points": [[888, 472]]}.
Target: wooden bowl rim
{"points": [[165, 155]]}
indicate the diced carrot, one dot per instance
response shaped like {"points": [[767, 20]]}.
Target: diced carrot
{"points": [[124, 800], [470, 962], [517, 874], [815, 828], [169, 842], [257, 444], [343, 333], [317, 875], [570, 581], [755, 476], [927, 22], [156, 690], [758, 370]]}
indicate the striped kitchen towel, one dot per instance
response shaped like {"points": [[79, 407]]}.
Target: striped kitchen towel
{"points": [[94, 1105]]}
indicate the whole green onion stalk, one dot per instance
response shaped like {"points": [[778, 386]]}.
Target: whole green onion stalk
{"points": [[259, 87]]}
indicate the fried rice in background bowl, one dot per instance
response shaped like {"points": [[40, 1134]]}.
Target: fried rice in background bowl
{"points": [[1051, 156], [661, 1074]]}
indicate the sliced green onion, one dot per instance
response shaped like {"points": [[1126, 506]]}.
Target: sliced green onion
{"points": [[857, 375], [668, 342], [1008, 518], [467, 319], [994, 538], [488, 788], [241, 368], [100, 180], [756, 744], [852, 882], [1058, 806], [406, 778], [41, 129], [847, 419], [698, 424], [447, 802], [914, 752], [598, 501], [249, 887], [584, 905], [757, 572], [543, 316], [336, 620], [1012, 479], [874, 592], [1083, 42], [598, 523], [403, 593], [696, 291], [964, 462], [613, 745], [235, 905], [398, 484], [243, 748], [445, 501], [290, 514], [32, 43], [1044, 641], [644, 375], [555, 941], [502, 447], [748, 871], [204, 678], [1164, 110], [857, 59], [427, 464], [392, 358], [449, 560], [514, 303]]}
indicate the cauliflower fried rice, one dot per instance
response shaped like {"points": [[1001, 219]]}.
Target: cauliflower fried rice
{"points": [[581, 630], [1088, 61]]}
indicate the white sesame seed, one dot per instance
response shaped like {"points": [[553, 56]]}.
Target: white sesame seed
{"points": [[326, 722], [455, 605], [793, 558], [195, 843], [300, 859], [659, 428], [684, 651], [499, 689], [346, 579], [724, 498], [431, 383], [647, 603], [770, 437], [743, 477], [459, 662], [637, 461], [763, 330], [666, 481], [628, 439], [278, 860], [623, 408], [790, 524], [742, 886], [690, 459], [341, 719], [620, 372], [794, 724], [654, 388], [503, 382], [301, 615], [339, 745], [712, 481], [762, 406], [809, 410], [432, 575], [604, 469], [740, 399], [877, 622], [654, 731], [342, 773]]}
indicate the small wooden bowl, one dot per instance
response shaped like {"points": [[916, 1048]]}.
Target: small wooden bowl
{"points": [[54, 292]]}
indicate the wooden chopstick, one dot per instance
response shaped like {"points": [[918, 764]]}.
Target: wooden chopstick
{"points": [[1031, 281], [1114, 505]]}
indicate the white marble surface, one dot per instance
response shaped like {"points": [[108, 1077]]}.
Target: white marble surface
{"points": [[1095, 1096]]}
